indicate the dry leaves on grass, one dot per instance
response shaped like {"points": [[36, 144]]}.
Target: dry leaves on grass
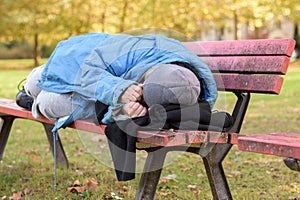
{"points": [[18, 195], [168, 178], [194, 188], [33, 155], [123, 189], [90, 186]]}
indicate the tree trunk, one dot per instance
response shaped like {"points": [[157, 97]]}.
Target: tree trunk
{"points": [[103, 19], [256, 32], [123, 17], [296, 34], [235, 21], [296, 30], [36, 50]]}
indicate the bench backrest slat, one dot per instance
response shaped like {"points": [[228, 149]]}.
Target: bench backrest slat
{"points": [[248, 64], [243, 47], [249, 83]]}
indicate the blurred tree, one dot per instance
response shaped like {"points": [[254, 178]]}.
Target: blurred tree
{"points": [[77, 17], [45, 22], [291, 10], [30, 19], [177, 15]]}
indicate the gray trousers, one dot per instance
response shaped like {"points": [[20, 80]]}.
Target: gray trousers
{"points": [[47, 104]]}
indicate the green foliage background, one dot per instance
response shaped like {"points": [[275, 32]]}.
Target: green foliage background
{"points": [[45, 22]]}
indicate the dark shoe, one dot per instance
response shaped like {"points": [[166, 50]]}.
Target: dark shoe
{"points": [[24, 100], [292, 163]]}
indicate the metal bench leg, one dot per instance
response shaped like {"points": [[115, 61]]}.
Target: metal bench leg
{"points": [[5, 127], [215, 173], [61, 157], [151, 174]]}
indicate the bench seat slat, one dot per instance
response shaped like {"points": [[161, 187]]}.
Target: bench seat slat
{"points": [[89, 126], [162, 138], [9, 107], [280, 144], [249, 83], [243, 47], [185, 137], [248, 64]]}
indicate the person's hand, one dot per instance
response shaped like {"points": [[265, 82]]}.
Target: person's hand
{"points": [[132, 93], [134, 109]]}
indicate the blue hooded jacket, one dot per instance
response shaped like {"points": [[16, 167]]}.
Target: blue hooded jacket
{"points": [[99, 66]]}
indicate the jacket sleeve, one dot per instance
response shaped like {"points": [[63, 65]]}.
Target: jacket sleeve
{"points": [[98, 81]]}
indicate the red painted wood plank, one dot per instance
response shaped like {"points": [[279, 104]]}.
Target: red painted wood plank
{"points": [[89, 126], [200, 137], [249, 83], [280, 144], [248, 64], [184, 137], [243, 47], [9, 107], [162, 138]]}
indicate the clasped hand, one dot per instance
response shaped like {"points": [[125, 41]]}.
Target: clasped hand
{"points": [[132, 97]]}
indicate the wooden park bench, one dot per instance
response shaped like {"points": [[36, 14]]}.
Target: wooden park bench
{"points": [[242, 67]]}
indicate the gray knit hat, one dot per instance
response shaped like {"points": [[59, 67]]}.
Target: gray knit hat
{"points": [[168, 83]]}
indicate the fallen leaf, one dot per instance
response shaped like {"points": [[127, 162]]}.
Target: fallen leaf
{"points": [[35, 158], [27, 191], [76, 183], [16, 196], [191, 186], [76, 189], [197, 191], [185, 169], [72, 141], [125, 188], [30, 151], [92, 185], [166, 193], [263, 193], [78, 151], [119, 184]]}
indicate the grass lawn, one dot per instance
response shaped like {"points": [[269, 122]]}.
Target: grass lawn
{"points": [[27, 165], [19, 63]]}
